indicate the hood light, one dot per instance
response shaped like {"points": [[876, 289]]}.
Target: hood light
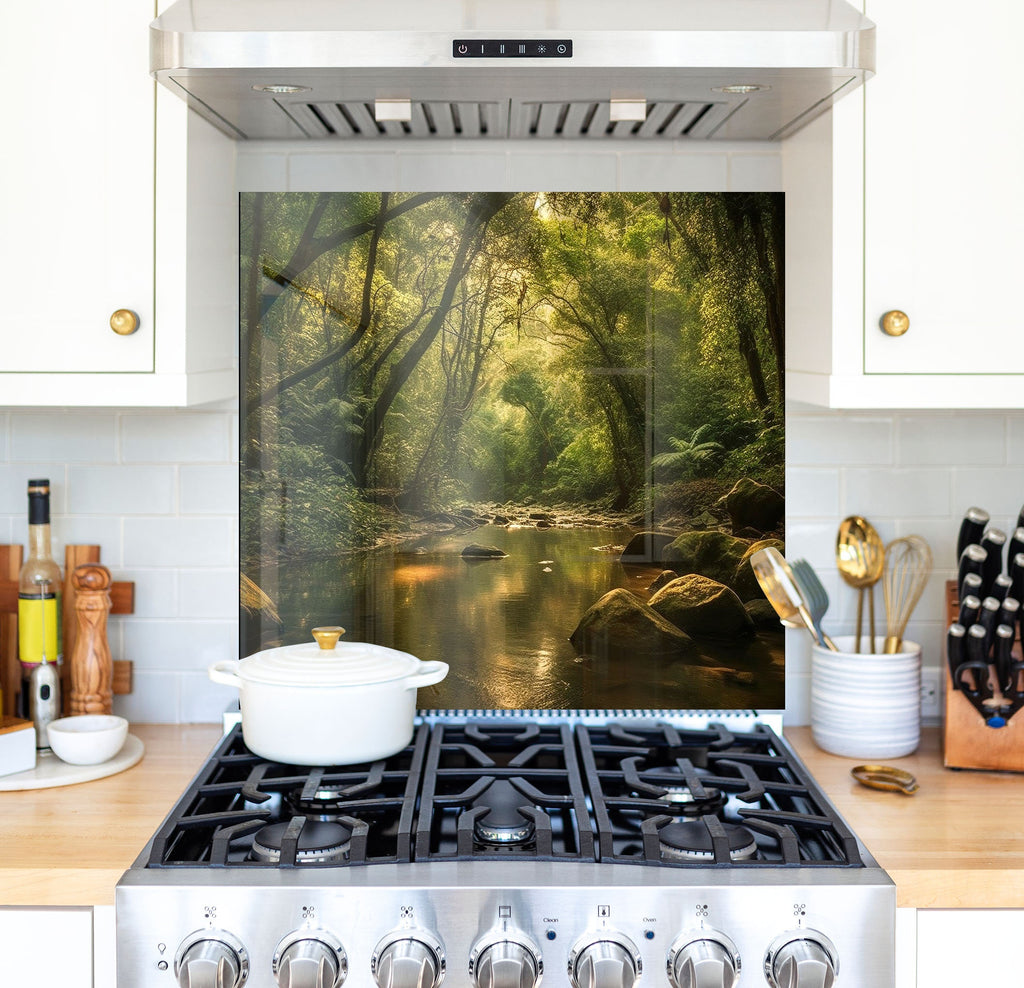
{"points": [[279, 89], [741, 89]]}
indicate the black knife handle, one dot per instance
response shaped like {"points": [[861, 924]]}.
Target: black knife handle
{"points": [[1002, 659], [1016, 570], [977, 661], [956, 650], [972, 560], [988, 618], [993, 542], [1009, 612], [973, 524], [1016, 545], [970, 607], [1000, 587]]}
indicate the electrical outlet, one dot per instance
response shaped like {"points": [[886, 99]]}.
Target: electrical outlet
{"points": [[931, 694]]}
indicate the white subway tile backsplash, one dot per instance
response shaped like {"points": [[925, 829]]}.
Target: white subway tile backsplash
{"points": [[82, 437], [14, 478], [122, 490], [155, 698], [209, 490], [260, 171], [925, 440], [179, 645], [999, 490], [755, 172], [203, 701], [172, 437], [208, 593], [370, 171], [178, 542], [156, 593], [812, 493], [816, 440], [101, 530], [568, 171], [674, 172], [448, 173], [896, 493], [1015, 439]]}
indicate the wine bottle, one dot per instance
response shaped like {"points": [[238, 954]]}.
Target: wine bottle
{"points": [[39, 593]]}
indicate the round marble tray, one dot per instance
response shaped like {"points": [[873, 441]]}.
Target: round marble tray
{"points": [[50, 771]]}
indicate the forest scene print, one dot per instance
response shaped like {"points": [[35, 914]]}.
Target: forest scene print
{"points": [[536, 435]]}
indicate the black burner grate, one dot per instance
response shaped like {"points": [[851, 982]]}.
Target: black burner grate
{"points": [[638, 792]]}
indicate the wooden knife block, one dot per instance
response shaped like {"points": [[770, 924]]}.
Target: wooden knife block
{"points": [[122, 595], [967, 741]]}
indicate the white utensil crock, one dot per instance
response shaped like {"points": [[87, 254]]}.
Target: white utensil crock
{"points": [[863, 705], [341, 704]]}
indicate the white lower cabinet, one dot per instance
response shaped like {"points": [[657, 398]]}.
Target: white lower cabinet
{"points": [[969, 947], [47, 947]]}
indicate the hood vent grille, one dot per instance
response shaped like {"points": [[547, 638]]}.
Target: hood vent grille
{"points": [[575, 119]]}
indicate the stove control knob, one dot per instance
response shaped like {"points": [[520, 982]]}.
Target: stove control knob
{"points": [[211, 959], [408, 959], [707, 960], [607, 960], [505, 961], [801, 959], [310, 959]]}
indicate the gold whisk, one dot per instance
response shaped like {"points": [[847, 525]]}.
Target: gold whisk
{"points": [[908, 564]]}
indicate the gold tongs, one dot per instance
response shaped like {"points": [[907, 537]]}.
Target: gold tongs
{"points": [[885, 777]]}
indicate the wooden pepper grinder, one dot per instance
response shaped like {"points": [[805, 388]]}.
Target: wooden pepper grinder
{"points": [[92, 670]]}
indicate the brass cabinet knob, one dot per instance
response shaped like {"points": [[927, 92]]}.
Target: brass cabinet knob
{"points": [[895, 323], [124, 322]]}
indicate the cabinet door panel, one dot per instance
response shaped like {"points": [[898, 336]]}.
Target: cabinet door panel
{"points": [[43, 946], [77, 172], [944, 151]]}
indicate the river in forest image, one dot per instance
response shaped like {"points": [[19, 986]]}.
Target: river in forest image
{"points": [[503, 625], [424, 370]]}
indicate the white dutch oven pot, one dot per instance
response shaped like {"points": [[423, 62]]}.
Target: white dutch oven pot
{"points": [[325, 702]]}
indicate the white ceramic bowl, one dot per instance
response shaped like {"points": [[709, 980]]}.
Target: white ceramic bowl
{"points": [[88, 739]]}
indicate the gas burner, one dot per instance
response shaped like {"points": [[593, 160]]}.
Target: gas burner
{"points": [[502, 824], [319, 843], [682, 802], [327, 803], [691, 841]]}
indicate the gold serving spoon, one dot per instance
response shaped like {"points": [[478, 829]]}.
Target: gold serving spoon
{"points": [[860, 559]]}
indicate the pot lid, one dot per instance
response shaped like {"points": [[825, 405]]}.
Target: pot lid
{"points": [[328, 662]]}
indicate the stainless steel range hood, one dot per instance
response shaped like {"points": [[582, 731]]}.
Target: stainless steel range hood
{"points": [[495, 69]]}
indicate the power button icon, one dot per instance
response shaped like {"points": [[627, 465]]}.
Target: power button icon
{"points": [[463, 49]]}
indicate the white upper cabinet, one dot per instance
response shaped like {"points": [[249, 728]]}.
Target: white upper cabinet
{"points": [[903, 200], [99, 218]]}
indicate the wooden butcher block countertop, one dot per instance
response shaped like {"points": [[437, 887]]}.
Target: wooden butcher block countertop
{"points": [[958, 843]]}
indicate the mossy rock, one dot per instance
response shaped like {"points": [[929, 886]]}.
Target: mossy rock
{"points": [[743, 581], [647, 547], [763, 615], [665, 576], [703, 608], [476, 551], [712, 554], [620, 626], [755, 507]]}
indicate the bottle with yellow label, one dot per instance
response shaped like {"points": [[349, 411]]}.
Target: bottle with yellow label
{"points": [[39, 591]]}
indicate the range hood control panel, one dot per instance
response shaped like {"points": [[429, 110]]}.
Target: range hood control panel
{"points": [[514, 48]]}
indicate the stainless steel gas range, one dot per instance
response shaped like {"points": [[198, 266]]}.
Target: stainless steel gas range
{"points": [[500, 851]]}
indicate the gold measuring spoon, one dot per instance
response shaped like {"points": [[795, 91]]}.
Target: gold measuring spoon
{"points": [[860, 559]]}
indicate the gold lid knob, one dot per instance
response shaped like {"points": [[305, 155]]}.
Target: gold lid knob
{"points": [[895, 323], [327, 637], [124, 322]]}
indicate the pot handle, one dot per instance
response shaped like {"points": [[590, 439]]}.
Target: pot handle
{"points": [[430, 673], [224, 672]]}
